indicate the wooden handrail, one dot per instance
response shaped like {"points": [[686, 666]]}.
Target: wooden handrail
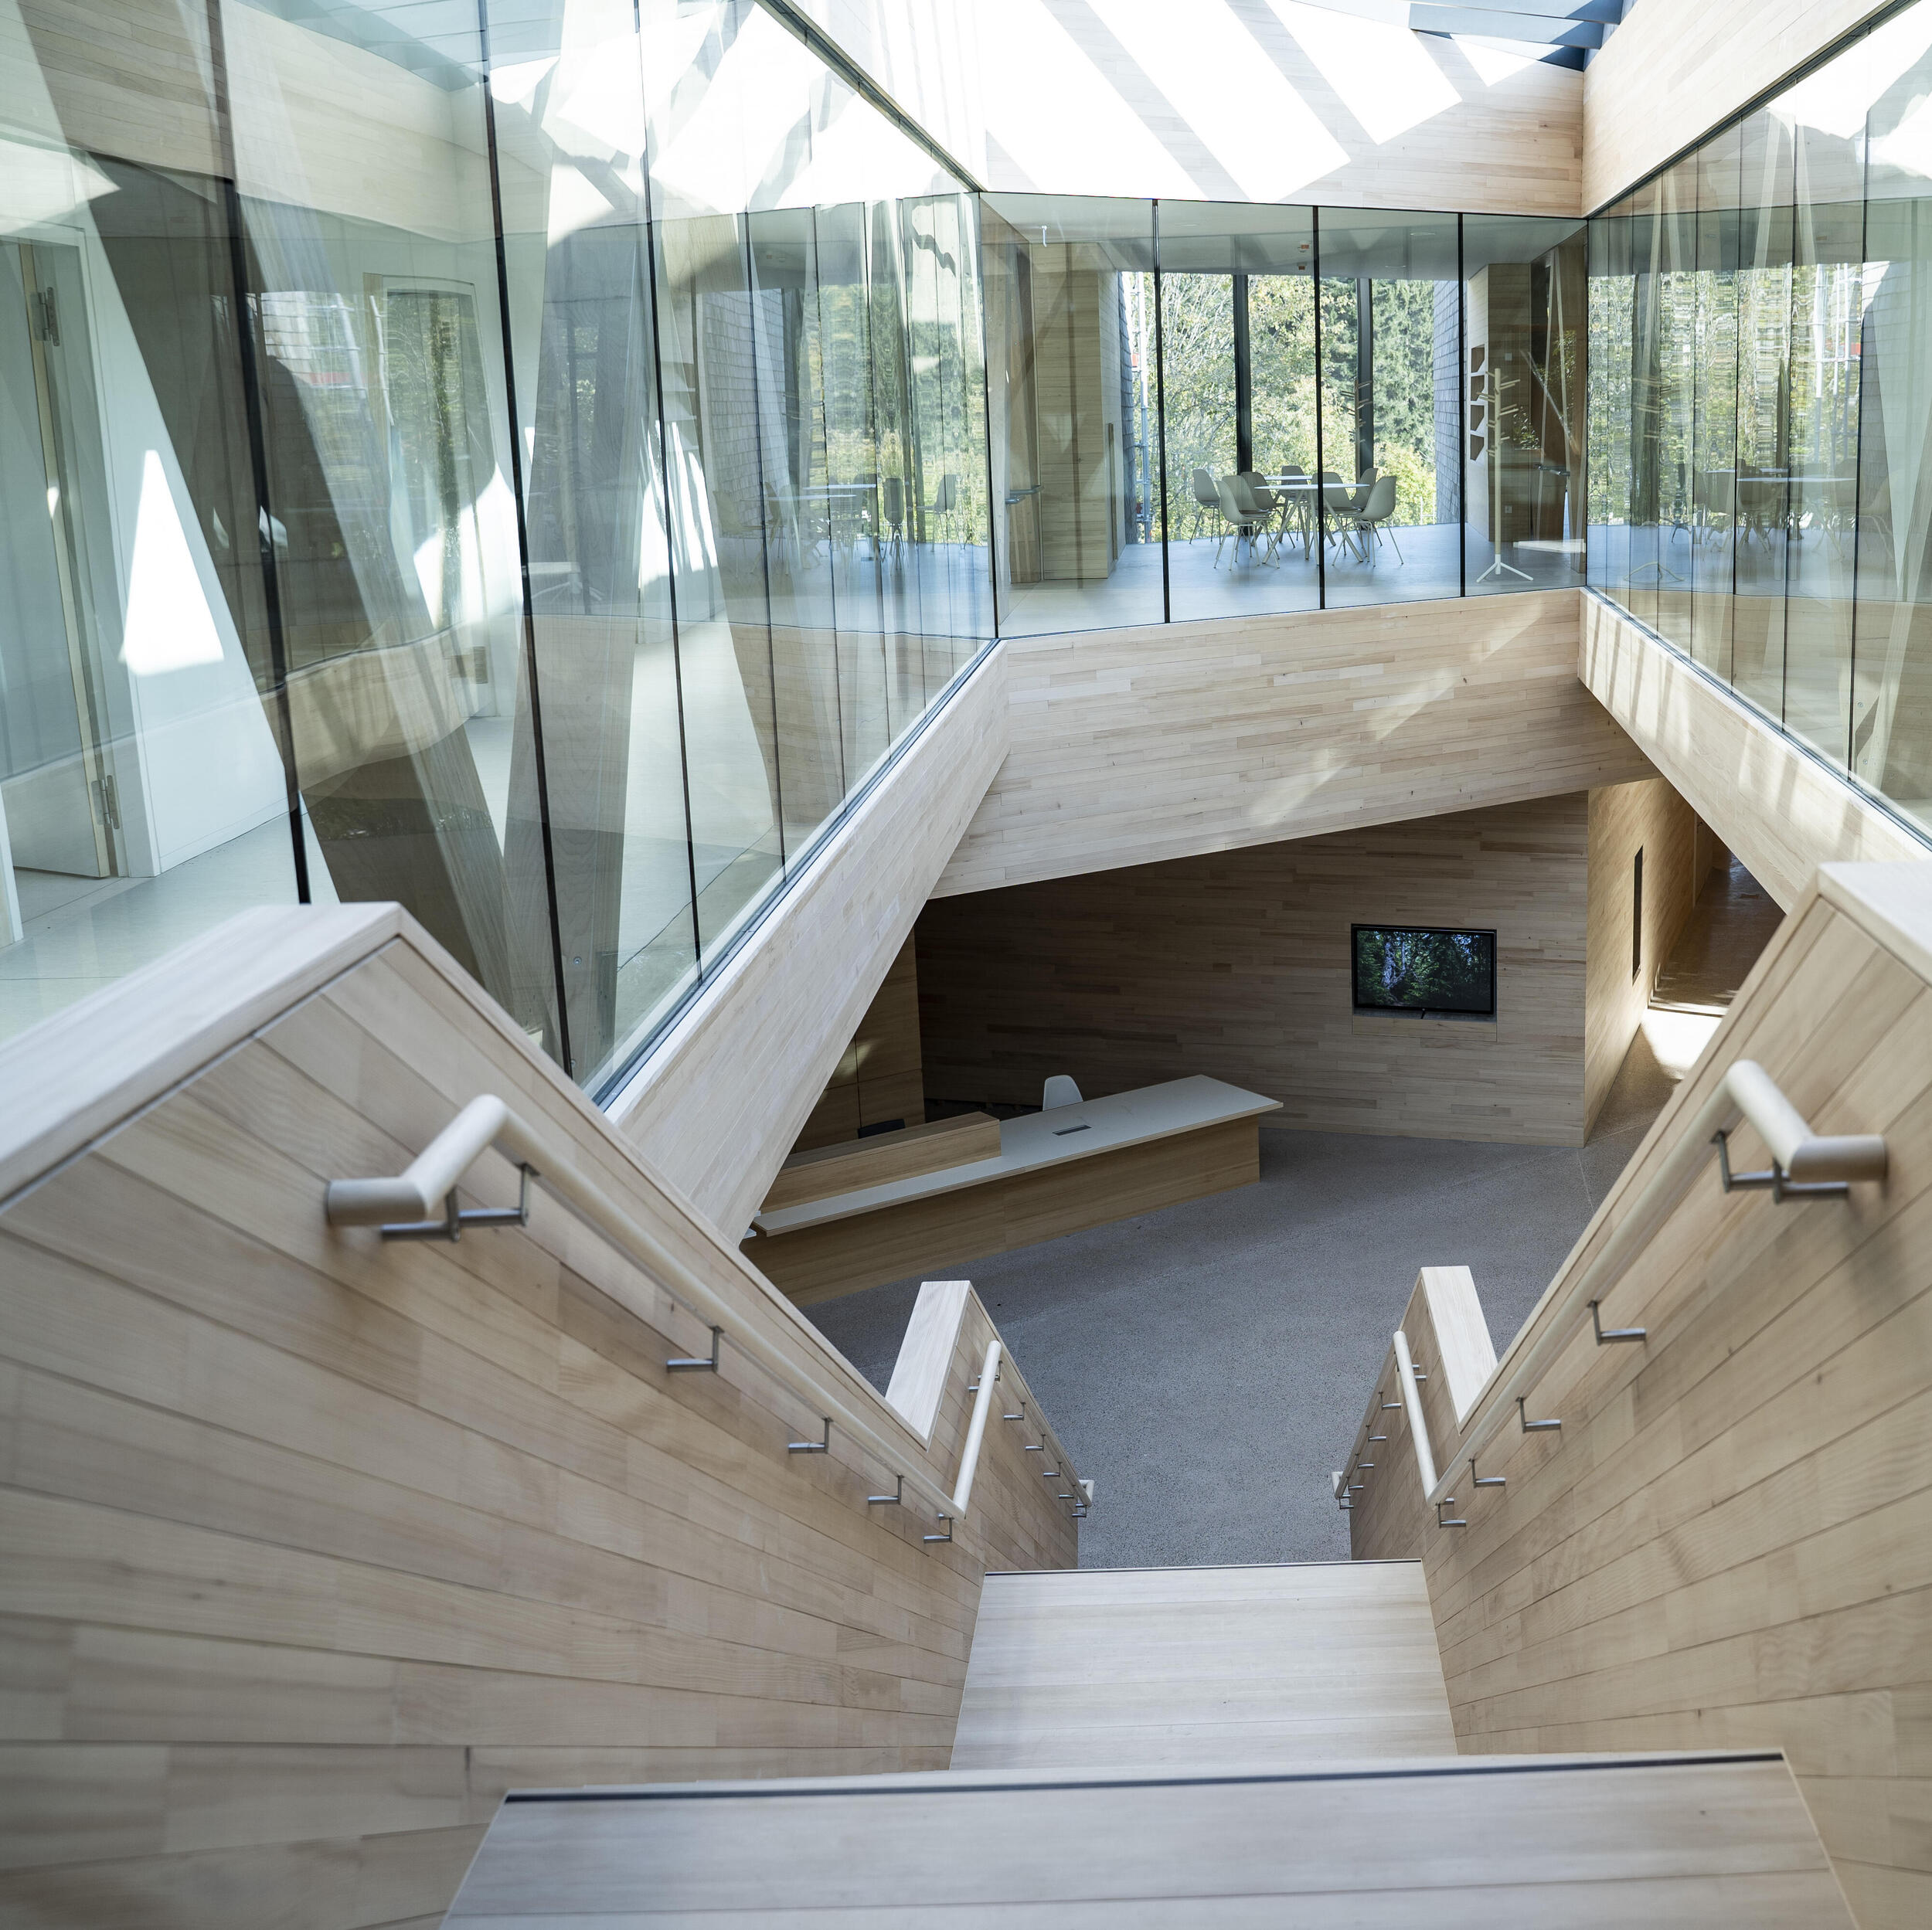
{"points": [[1803, 1164], [427, 1187]]}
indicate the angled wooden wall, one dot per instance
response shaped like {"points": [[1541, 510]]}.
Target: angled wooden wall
{"points": [[311, 1545], [1726, 1545], [1131, 746]]}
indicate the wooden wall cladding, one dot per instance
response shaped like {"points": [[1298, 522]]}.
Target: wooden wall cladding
{"points": [[1131, 746], [720, 1101], [1726, 1545], [1660, 84], [1782, 812], [311, 1545], [1625, 819], [1453, 1356], [1236, 965], [879, 1079]]}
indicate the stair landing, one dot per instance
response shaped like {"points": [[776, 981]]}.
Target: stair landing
{"points": [[1489, 1842], [1152, 1668]]}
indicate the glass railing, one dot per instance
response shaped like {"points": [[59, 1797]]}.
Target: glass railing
{"points": [[525, 461], [540, 464], [1760, 404]]}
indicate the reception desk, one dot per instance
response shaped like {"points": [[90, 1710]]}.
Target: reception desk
{"points": [[1054, 1172]]}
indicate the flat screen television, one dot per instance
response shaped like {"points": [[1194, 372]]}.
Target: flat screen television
{"points": [[1409, 968]]}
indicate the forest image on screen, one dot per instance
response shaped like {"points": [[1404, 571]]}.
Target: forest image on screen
{"points": [[1400, 969]]}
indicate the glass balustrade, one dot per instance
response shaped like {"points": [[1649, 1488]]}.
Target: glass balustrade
{"points": [[1760, 337], [539, 462]]}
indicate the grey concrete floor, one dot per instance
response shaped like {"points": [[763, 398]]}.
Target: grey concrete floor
{"points": [[1206, 1366]]}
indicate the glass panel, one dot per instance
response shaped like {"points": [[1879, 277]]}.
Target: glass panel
{"points": [[1613, 293], [1827, 299], [1713, 459], [1237, 344], [1891, 724], [577, 256], [1665, 396], [1391, 494], [1076, 423], [855, 530], [1649, 327], [718, 416], [1763, 409], [1525, 337], [379, 363], [144, 792], [947, 512]]}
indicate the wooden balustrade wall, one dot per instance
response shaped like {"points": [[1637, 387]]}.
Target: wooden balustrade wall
{"points": [[311, 1545], [1728, 1543]]}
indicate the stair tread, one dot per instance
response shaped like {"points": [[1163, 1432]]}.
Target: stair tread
{"points": [[1685, 1841], [1143, 1668]]}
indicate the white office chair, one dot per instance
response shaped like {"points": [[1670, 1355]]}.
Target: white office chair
{"points": [[1059, 1091]]}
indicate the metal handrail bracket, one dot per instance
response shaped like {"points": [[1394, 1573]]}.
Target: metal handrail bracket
{"points": [[419, 1203], [1804, 1165]]}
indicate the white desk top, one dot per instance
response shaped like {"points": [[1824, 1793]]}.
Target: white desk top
{"points": [[1048, 1139]]}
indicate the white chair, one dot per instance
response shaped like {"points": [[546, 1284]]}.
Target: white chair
{"points": [[1059, 1091], [1264, 503], [1301, 503], [1374, 515], [1207, 498], [1337, 510], [1231, 493], [945, 498]]}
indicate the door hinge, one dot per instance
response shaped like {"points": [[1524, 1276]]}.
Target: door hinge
{"points": [[110, 802], [46, 317]]}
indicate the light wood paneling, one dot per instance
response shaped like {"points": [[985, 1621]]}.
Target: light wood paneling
{"points": [[1690, 1843], [722, 1100], [1781, 811], [848, 1167], [1129, 746], [946, 1229], [311, 1545], [1725, 1545], [1625, 819], [1237, 966], [878, 1078], [1389, 1520], [1141, 1668], [1661, 83]]}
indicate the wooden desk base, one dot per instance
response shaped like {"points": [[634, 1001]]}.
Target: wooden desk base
{"points": [[946, 1229]]}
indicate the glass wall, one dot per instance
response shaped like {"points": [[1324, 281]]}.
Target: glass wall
{"points": [[1525, 334], [1391, 493], [537, 463], [1759, 401], [527, 462], [1155, 374], [1070, 331], [1237, 372]]}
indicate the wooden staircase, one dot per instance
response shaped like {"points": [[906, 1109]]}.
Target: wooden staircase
{"points": [[1224, 1746]]}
